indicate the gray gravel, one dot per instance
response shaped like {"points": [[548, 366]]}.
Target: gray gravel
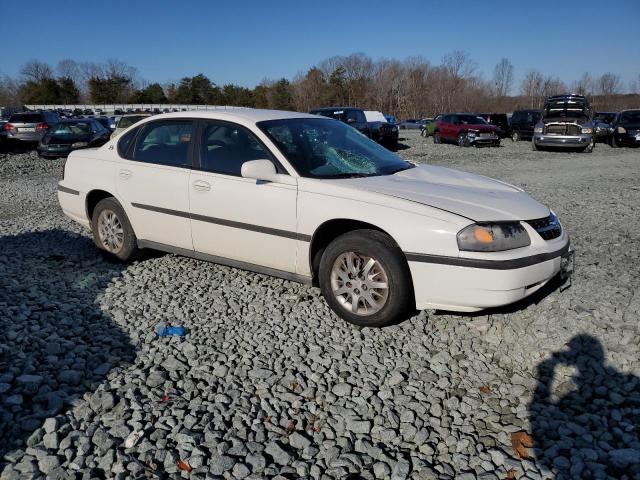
{"points": [[269, 383]]}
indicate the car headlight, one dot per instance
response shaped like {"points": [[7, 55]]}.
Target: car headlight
{"points": [[471, 134], [622, 130], [493, 237], [587, 130], [537, 129], [79, 144]]}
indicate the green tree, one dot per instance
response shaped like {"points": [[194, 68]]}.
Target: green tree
{"points": [[338, 89], [42, 91], [237, 96], [282, 95], [150, 94], [261, 96], [69, 92], [113, 89], [198, 90]]}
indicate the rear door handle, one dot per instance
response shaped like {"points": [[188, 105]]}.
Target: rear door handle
{"points": [[201, 186], [125, 174]]}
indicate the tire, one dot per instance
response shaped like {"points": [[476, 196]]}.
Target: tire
{"points": [[589, 148], [356, 249], [436, 137], [424, 132], [112, 231], [613, 142], [515, 136], [534, 147], [463, 140]]}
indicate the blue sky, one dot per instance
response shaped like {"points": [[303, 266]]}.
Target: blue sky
{"points": [[245, 41]]}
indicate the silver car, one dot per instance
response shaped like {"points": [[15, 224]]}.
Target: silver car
{"points": [[566, 122], [30, 127]]}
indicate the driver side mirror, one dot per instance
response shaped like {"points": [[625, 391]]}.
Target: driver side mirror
{"points": [[260, 170]]}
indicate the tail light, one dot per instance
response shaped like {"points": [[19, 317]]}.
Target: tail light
{"points": [[42, 127], [8, 127]]}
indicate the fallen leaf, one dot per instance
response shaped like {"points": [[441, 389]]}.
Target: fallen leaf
{"points": [[511, 474], [184, 466], [165, 398], [484, 390], [521, 442], [291, 427], [295, 386]]}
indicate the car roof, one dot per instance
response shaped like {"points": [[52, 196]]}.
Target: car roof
{"points": [[331, 109], [252, 115]]}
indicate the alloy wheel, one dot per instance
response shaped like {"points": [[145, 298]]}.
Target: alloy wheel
{"points": [[359, 283], [110, 231]]}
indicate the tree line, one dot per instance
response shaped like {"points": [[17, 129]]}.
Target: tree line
{"points": [[411, 88]]}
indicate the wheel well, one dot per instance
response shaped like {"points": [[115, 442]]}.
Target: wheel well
{"points": [[329, 231], [93, 197]]}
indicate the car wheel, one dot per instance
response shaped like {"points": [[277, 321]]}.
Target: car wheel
{"points": [[112, 231], [589, 148], [515, 136], [436, 137], [424, 133], [613, 142], [365, 279], [535, 147], [463, 140]]}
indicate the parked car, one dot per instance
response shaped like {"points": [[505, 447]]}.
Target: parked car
{"points": [[73, 134], [430, 126], [87, 111], [309, 199], [625, 129], [107, 123], [127, 120], [378, 130], [77, 111], [391, 119], [522, 124], [500, 120], [29, 127], [602, 125], [411, 124], [566, 122], [465, 129]]}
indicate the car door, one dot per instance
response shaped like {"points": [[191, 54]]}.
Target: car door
{"points": [[238, 218], [153, 180]]}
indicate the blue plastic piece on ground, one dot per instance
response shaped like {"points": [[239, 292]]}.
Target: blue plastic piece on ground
{"points": [[165, 331]]}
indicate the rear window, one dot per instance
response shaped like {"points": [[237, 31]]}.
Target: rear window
{"points": [[79, 128], [26, 118]]}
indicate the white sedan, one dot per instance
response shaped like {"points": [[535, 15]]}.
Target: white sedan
{"points": [[310, 199]]}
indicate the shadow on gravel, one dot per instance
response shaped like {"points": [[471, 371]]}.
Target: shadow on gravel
{"points": [[55, 342], [589, 425], [398, 147]]}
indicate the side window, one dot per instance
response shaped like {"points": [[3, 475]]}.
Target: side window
{"points": [[165, 143], [125, 141], [226, 146], [360, 116]]}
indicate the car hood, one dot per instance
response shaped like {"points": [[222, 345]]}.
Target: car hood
{"points": [[472, 196]]}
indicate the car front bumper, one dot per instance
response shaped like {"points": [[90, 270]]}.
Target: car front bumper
{"points": [[461, 285], [631, 140], [484, 140], [568, 141]]}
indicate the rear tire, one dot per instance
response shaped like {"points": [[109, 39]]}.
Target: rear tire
{"points": [[112, 231], [365, 279], [424, 132]]}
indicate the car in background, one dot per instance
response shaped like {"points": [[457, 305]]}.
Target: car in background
{"points": [[602, 125], [72, 134], [522, 124], [378, 130], [309, 199], [500, 120], [3, 135], [127, 120], [566, 122], [430, 126], [465, 129], [391, 119], [29, 127], [76, 112], [625, 129], [411, 124], [107, 123], [87, 111]]}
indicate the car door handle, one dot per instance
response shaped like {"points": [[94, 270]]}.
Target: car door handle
{"points": [[125, 174], [201, 186]]}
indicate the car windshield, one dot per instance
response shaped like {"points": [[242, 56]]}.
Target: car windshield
{"points": [[129, 120], [322, 148], [68, 128], [630, 117], [471, 120], [604, 117]]}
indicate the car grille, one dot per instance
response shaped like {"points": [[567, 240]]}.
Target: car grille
{"points": [[562, 129], [548, 228]]}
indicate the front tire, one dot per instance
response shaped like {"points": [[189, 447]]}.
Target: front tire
{"points": [[112, 231], [463, 140], [589, 148], [365, 279], [424, 132], [535, 147], [515, 136], [436, 137]]}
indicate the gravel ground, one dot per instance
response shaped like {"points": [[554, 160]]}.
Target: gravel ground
{"points": [[268, 383]]}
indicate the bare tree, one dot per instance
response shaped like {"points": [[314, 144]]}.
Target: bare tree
{"points": [[503, 77], [609, 84], [584, 85], [531, 87], [36, 70]]}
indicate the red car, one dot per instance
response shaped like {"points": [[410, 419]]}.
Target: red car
{"points": [[465, 129]]}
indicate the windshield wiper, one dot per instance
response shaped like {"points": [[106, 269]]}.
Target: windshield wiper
{"points": [[352, 175]]}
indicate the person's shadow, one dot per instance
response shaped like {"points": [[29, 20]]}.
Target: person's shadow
{"points": [[56, 343], [590, 429]]}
